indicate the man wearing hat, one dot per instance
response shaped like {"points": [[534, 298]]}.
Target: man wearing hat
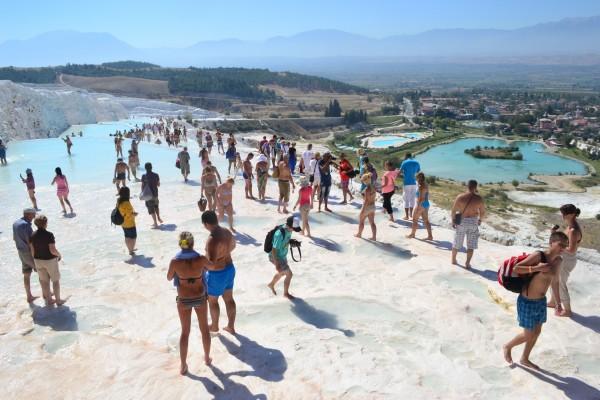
{"points": [[22, 232], [278, 256]]}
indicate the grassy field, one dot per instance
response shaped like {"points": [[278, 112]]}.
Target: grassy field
{"points": [[580, 155], [385, 119], [119, 85]]}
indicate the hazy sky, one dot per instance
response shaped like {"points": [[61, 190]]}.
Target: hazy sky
{"points": [[178, 23]]}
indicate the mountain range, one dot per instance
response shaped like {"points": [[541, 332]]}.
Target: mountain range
{"points": [[576, 40]]}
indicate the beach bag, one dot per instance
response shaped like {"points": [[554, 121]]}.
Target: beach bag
{"points": [[202, 204], [116, 218], [517, 283], [178, 164], [268, 245], [352, 173], [146, 194]]}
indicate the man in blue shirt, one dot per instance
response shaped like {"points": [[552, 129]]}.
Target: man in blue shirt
{"points": [[408, 170], [278, 256], [22, 232]]}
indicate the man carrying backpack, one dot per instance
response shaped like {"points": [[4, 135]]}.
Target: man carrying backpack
{"points": [[538, 272], [279, 239]]}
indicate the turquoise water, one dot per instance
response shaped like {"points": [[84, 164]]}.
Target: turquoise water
{"points": [[92, 161], [450, 161], [386, 141]]}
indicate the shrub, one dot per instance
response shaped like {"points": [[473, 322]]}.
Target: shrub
{"points": [[515, 183], [431, 180]]}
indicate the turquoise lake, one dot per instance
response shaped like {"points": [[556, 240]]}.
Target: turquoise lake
{"points": [[449, 161]]}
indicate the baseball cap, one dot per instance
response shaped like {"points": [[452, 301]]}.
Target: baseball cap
{"points": [[294, 223]]}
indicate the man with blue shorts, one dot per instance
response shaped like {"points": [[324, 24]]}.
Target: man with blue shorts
{"points": [[408, 170], [221, 274]]}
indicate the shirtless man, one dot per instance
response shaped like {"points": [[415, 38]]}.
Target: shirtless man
{"points": [[248, 176], [221, 274], [134, 162], [285, 179], [471, 207], [224, 201], [544, 269], [119, 145], [121, 171]]}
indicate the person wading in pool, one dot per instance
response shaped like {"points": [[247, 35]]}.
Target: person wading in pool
{"points": [[221, 274], [122, 172]]}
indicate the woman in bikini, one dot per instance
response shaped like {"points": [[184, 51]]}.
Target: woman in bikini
{"points": [[209, 187], [62, 189], [422, 209], [187, 269], [368, 207], [224, 201], [569, 255], [204, 159]]}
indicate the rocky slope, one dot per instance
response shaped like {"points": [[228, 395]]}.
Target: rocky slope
{"points": [[30, 112]]}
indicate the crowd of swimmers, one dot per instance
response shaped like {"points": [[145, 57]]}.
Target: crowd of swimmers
{"points": [[202, 279]]}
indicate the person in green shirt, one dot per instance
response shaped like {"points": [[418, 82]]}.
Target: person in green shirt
{"points": [[278, 256]]}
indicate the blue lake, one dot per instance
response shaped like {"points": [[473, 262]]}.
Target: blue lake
{"points": [[450, 161]]}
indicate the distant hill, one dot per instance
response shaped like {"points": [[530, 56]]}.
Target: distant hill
{"points": [[568, 37], [138, 78]]}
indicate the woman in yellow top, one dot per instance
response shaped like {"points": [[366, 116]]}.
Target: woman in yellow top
{"points": [[128, 213]]}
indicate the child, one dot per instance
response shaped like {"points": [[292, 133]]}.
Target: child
{"points": [[30, 183], [305, 200], [543, 267], [368, 208], [239, 164]]}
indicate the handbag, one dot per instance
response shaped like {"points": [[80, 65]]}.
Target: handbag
{"points": [[178, 164], [202, 204], [146, 194], [458, 216]]}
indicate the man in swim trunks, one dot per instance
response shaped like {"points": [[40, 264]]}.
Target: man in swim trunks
{"points": [[121, 172], [284, 181], [278, 256], [408, 170], [220, 275], [22, 233], [471, 208], [544, 271], [248, 176]]}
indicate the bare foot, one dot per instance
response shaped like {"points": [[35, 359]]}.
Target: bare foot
{"points": [[31, 299], [343, 203], [429, 238], [468, 266], [154, 226], [327, 209], [391, 219], [184, 369], [229, 329], [207, 360], [454, 262], [289, 296], [213, 328], [279, 211], [50, 302], [357, 235], [551, 304], [528, 364], [411, 236], [285, 211], [160, 220], [405, 218], [507, 355], [60, 302], [272, 289], [373, 239]]}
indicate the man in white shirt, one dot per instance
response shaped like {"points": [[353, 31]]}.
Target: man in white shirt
{"points": [[306, 157]]}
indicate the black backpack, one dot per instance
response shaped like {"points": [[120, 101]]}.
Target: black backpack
{"points": [[268, 245], [115, 217]]}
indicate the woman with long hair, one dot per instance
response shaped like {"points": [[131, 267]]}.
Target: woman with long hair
{"points": [[62, 189], [422, 209], [30, 184], [187, 268], [126, 209], [569, 255], [204, 159], [388, 187]]}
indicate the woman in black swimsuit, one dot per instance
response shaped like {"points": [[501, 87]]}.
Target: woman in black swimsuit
{"points": [[187, 268]]}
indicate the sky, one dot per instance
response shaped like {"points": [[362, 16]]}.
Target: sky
{"points": [[179, 23]]}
